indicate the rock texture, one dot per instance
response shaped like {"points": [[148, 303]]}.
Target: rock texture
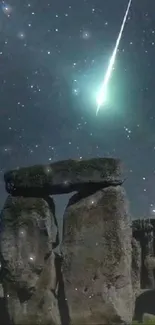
{"points": [[143, 268], [43, 306], [96, 251], [64, 177], [94, 280], [144, 234], [28, 233], [136, 267]]}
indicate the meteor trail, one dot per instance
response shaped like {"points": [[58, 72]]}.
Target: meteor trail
{"points": [[102, 93]]}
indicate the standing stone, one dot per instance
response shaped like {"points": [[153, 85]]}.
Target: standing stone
{"points": [[28, 233], [143, 232], [96, 267], [43, 307], [136, 267]]}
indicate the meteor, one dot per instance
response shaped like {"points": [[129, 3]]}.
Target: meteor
{"points": [[103, 91]]}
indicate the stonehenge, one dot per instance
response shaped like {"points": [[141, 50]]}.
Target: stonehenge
{"points": [[103, 260]]}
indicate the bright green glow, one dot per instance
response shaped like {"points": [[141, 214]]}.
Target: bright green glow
{"points": [[102, 95]]}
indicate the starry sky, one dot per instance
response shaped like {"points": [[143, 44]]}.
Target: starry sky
{"points": [[53, 58]]}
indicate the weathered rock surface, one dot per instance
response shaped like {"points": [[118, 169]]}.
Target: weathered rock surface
{"points": [[136, 267], [28, 234], [97, 277], [1, 291], [4, 317], [64, 177], [144, 233], [96, 266], [43, 306]]}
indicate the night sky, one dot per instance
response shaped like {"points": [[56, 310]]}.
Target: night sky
{"points": [[53, 58]]}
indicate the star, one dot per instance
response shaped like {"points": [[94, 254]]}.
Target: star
{"points": [[21, 35], [85, 35], [53, 62], [7, 9]]}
